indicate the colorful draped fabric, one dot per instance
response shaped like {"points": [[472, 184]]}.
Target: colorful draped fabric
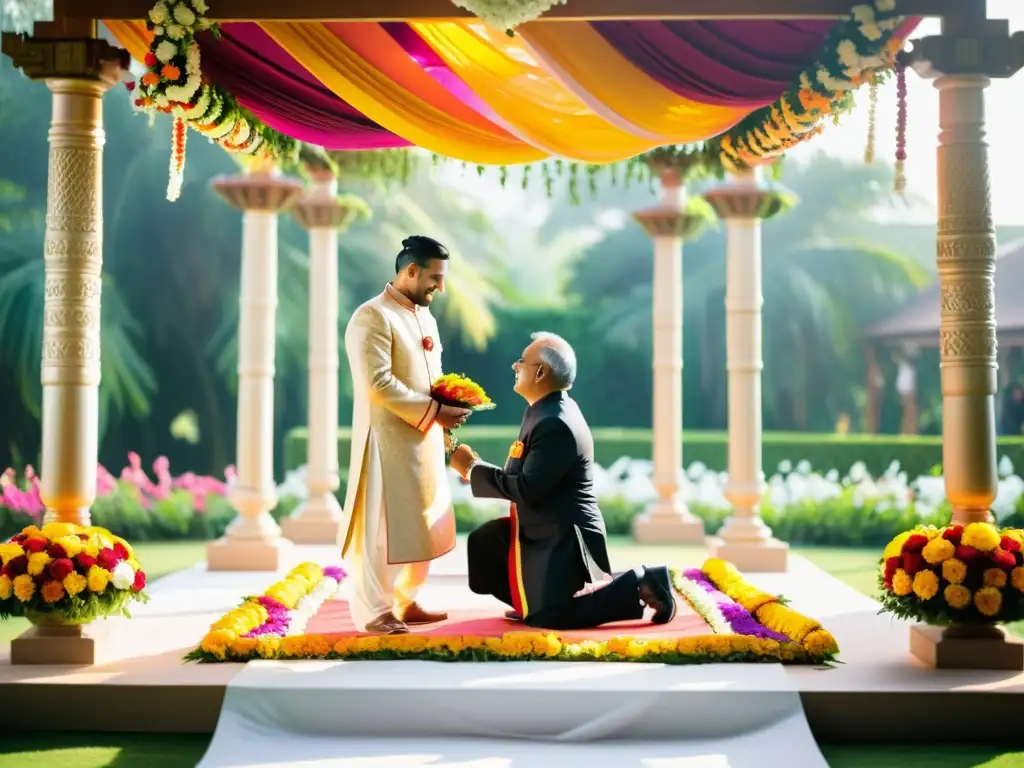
{"points": [[589, 92]]}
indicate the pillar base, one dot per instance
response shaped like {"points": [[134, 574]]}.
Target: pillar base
{"points": [[766, 556], [989, 648], [668, 524], [230, 554], [315, 521], [80, 646]]}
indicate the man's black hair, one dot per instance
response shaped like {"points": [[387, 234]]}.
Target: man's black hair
{"points": [[419, 250]]}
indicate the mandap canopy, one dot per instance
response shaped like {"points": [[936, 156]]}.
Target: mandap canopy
{"points": [[590, 92]]}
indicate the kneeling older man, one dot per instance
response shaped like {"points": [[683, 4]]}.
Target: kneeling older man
{"points": [[553, 544]]}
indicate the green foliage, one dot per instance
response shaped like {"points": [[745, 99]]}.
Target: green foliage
{"points": [[76, 609], [917, 455]]}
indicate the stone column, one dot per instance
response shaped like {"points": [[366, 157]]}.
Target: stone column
{"points": [[317, 519], [668, 521], [969, 52], [253, 541], [744, 539]]}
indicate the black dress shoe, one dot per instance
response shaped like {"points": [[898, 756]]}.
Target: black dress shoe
{"points": [[656, 592], [513, 616]]}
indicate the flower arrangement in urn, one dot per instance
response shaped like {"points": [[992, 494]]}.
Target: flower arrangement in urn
{"points": [[68, 574], [954, 576]]}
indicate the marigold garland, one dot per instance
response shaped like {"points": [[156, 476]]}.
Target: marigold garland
{"points": [[232, 638], [971, 574]]}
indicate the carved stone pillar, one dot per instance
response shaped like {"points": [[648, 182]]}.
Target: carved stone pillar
{"points": [[969, 52], [668, 521], [253, 541], [744, 539], [317, 519]]}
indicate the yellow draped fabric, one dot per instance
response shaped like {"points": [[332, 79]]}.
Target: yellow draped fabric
{"points": [[590, 66], [541, 110], [394, 107], [133, 37]]}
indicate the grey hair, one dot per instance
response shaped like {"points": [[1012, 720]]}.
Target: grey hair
{"points": [[559, 356]]}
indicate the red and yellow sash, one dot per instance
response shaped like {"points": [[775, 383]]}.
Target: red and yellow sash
{"points": [[515, 566]]}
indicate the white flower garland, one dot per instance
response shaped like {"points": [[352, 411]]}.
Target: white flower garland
{"points": [[308, 606], [703, 603], [873, 22], [508, 14]]}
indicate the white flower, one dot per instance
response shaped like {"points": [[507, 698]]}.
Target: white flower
{"points": [[165, 51], [863, 14], [183, 15], [785, 466], [885, 6], [158, 14], [158, 31], [200, 6], [871, 31], [507, 14], [123, 576], [175, 31], [847, 53]]}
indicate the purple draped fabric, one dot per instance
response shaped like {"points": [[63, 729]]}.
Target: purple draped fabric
{"points": [[725, 63], [248, 64]]}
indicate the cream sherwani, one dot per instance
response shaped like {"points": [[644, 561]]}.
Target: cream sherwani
{"points": [[398, 508]]}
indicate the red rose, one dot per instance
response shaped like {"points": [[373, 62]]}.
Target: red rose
{"points": [[968, 554], [915, 543], [60, 568], [140, 581], [913, 562], [107, 558], [130, 85], [1010, 545], [57, 551], [891, 566], [84, 562], [16, 566], [34, 545], [150, 60], [428, 343], [1002, 558], [953, 534], [120, 551]]}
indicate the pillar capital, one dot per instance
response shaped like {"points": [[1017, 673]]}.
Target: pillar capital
{"points": [[259, 192], [666, 221], [978, 47], [745, 198], [84, 58]]}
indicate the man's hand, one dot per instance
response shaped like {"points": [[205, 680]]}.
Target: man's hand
{"points": [[450, 417], [462, 458]]}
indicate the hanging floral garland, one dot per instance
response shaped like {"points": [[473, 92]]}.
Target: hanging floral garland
{"points": [[173, 84], [507, 14]]}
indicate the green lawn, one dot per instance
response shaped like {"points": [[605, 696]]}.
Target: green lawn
{"points": [[856, 567]]}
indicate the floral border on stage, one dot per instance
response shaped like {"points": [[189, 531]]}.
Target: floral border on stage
{"points": [[748, 625]]}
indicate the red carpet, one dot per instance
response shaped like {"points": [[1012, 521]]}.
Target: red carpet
{"points": [[333, 618]]}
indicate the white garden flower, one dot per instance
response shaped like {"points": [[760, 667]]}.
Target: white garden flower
{"points": [[200, 6], [165, 51], [183, 15], [123, 576], [847, 53], [507, 14], [863, 14], [175, 31], [885, 6], [158, 13]]}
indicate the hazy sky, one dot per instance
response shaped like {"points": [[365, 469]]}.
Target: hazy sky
{"points": [[1005, 105]]}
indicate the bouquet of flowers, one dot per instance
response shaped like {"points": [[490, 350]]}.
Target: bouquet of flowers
{"points": [[970, 574], [460, 392], [69, 574]]}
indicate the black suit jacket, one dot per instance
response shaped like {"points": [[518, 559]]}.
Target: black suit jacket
{"points": [[561, 531]]}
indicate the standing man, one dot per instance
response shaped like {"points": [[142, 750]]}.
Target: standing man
{"points": [[553, 543], [398, 510]]}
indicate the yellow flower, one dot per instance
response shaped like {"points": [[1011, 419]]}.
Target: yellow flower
{"points": [[820, 643], [6, 587], [981, 536], [37, 563], [926, 584], [318, 645], [52, 591], [294, 645], [895, 547], [957, 596], [954, 571], [54, 531], [782, 619], [902, 584], [994, 577], [268, 646], [9, 551], [938, 550], [92, 546], [24, 587], [988, 601], [216, 642], [1017, 578], [367, 644], [97, 579], [75, 583], [343, 646], [242, 646], [71, 544], [31, 531]]}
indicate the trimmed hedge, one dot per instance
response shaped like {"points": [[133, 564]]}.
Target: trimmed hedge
{"points": [[917, 455]]}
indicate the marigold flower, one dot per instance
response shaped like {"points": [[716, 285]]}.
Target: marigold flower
{"points": [[954, 571], [988, 601], [981, 536], [52, 591], [994, 577], [926, 583], [937, 550], [242, 646], [75, 583], [37, 563], [24, 587], [957, 596], [9, 551], [1016, 579], [97, 579], [902, 584], [6, 587]]}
